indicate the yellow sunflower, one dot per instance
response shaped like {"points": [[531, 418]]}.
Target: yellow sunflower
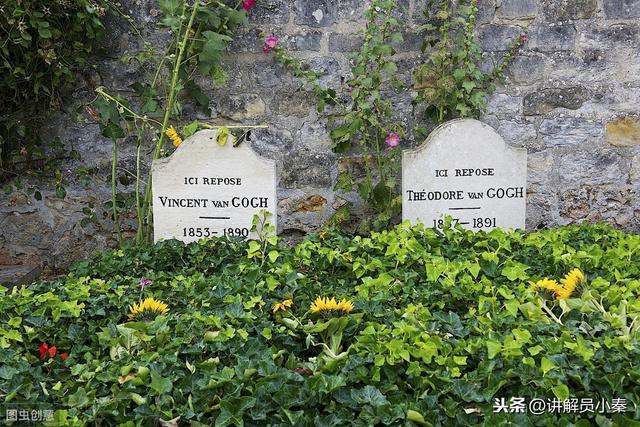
{"points": [[148, 308], [282, 305], [173, 135], [571, 281], [548, 284], [326, 305]]}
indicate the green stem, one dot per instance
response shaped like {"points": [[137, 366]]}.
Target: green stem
{"points": [[167, 113], [114, 191], [139, 234], [379, 158], [367, 167]]}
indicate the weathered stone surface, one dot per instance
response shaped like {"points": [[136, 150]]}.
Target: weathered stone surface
{"points": [[560, 131], [486, 11], [305, 41], [593, 56], [609, 204], [527, 69], [270, 12], [505, 105], [345, 42], [623, 132], [304, 210], [313, 203], [517, 9], [552, 38], [272, 143], [543, 101], [635, 169], [291, 101], [266, 74], [351, 10], [240, 107], [566, 10], [53, 228], [610, 35], [302, 168], [580, 168], [330, 69], [411, 42], [498, 37], [621, 8], [15, 275], [540, 170], [517, 134], [315, 13]]}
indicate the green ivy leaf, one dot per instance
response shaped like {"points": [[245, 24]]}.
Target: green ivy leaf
{"points": [[493, 348], [369, 395], [514, 270], [160, 385], [561, 391], [546, 365]]}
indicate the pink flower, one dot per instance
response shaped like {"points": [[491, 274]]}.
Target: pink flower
{"points": [[523, 37], [247, 4], [392, 140], [145, 282], [270, 43]]}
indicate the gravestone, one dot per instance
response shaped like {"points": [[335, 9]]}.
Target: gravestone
{"points": [[465, 170], [208, 190]]}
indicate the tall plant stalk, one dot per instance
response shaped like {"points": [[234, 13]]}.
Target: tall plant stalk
{"points": [[114, 192], [146, 205], [140, 212]]}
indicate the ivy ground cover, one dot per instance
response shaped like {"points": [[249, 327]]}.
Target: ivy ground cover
{"points": [[410, 326]]}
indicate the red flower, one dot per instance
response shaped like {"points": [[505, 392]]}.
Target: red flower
{"points": [[43, 350], [52, 351], [247, 4], [64, 355]]}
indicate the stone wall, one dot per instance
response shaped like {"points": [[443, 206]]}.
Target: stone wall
{"points": [[571, 97]]}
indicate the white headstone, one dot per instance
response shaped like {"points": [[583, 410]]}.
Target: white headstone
{"points": [[208, 190], [465, 170]]}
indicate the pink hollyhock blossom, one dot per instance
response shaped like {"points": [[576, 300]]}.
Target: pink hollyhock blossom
{"points": [[247, 4], [523, 37], [270, 43], [392, 140]]}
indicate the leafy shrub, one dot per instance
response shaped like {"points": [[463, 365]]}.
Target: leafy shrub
{"points": [[444, 324], [42, 44]]}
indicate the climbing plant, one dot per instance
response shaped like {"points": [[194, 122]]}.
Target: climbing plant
{"points": [[450, 82], [201, 30]]}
